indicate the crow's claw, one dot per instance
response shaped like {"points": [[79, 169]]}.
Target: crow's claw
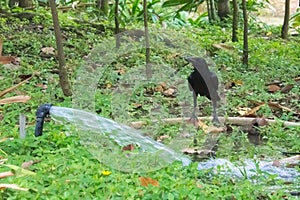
{"points": [[215, 121], [194, 120]]}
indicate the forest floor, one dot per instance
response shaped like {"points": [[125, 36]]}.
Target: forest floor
{"points": [[59, 166]]}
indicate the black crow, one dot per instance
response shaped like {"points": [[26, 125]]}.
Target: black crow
{"points": [[204, 83]]}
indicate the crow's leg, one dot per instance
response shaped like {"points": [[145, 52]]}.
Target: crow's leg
{"points": [[195, 106], [194, 120], [215, 115]]}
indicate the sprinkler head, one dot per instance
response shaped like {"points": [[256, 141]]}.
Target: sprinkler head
{"points": [[41, 113]]}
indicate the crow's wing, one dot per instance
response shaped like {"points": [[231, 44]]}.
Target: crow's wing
{"points": [[190, 81], [215, 85], [214, 79], [202, 80]]}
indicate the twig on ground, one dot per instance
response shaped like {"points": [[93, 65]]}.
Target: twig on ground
{"points": [[241, 121]]}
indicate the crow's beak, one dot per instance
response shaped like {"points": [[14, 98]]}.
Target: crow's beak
{"points": [[187, 59]]}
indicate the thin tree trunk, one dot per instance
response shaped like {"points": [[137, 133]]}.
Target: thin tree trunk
{"points": [[148, 66], [117, 25], [208, 10], [235, 21], [245, 47], [63, 74], [103, 6], [285, 26], [213, 10]]}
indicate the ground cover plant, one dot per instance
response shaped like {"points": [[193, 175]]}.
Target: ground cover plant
{"points": [[57, 165]]}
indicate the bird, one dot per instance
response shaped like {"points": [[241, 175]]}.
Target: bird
{"points": [[203, 82]]}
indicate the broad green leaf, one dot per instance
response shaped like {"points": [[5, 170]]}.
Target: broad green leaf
{"points": [[171, 3], [135, 5]]}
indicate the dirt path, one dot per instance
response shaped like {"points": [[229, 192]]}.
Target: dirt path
{"points": [[271, 20]]}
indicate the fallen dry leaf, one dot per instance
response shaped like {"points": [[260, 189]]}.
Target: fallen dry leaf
{"points": [[223, 46], [47, 52], [3, 139], [251, 112], [275, 105], [243, 110], [214, 129], [228, 85], [162, 138], [172, 56], [137, 105], [161, 87], [287, 88], [238, 82], [206, 129], [233, 83], [6, 174], [43, 86], [12, 186], [15, 99], [273, 88], [145, 181], [7, 59], [129, 147], [197, 123], [170, 92]]}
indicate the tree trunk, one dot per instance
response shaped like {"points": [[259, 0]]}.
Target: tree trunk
{"points": [[285, 26], [245, 46], [208, 10], [20, 3], [63, 74], [103, 6], [223, 9], [235, 20], [211, 10], [117, 25], [148, 66]]}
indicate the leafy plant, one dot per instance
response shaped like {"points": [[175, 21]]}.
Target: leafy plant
{"points": [[295, 20]]}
